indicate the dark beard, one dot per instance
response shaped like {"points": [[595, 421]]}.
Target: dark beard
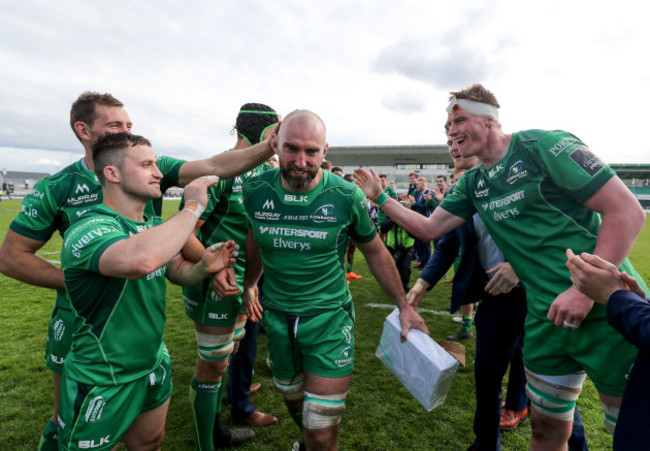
{"points": [[298, 183]]}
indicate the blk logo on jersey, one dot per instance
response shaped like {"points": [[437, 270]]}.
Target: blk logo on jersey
{"points": [[295, 198], [495, 170], [90, 444], [516, 172]]}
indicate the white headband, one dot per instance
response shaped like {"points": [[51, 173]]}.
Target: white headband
{"points": [[478, 108]]}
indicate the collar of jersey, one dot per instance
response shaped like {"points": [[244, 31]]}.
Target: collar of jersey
{"points": [[83, 168], [498, 168]]}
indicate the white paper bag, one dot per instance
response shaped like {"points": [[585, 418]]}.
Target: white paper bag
{"points": [[420, 364]]}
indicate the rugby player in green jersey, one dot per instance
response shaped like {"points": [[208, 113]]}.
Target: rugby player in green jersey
{"points": [[539, 193], [301, 219], [220, 321], [58, 200], [116, 258], [381, 216]]}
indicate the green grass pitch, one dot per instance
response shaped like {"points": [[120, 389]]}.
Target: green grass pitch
{"points": [[380, 413]]}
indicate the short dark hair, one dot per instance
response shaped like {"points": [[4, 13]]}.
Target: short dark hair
{"points": [[84, 108], [110, 150], [383, 176], [253, 120], [477, 93], [337, 169], [444, 177]]}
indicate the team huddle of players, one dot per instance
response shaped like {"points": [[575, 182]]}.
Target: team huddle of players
{"points": [[538, 193]]}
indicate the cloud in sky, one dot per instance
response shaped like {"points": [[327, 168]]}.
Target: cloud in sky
{"points": [[378, 72]]}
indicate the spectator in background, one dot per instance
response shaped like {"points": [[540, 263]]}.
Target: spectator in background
{"points": [[400, 245], [390, 192], [422, 202]]}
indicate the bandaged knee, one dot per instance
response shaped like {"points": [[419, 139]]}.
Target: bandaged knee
{"points": [[552, 400], [322, 411], [240, 332], [214, 348], [292, 390], [611, 416]]}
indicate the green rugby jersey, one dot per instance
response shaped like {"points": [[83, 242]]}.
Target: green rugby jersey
{"points": [[225, 219], [303, 237], [532, 205], [119, 326], [58, 200]]}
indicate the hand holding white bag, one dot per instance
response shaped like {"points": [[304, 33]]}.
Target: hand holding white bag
{"points": [[419, 363]]}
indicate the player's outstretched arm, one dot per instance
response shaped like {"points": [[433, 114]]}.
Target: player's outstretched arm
{"points": [[227, 164], [18, 260], [140, 254], [383, 268], [215, 258], [426, 229]]}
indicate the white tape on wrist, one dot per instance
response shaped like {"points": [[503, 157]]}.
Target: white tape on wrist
{"points": [[195, 207]]}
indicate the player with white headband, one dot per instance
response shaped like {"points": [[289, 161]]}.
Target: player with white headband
{"points": [[540, 192]]}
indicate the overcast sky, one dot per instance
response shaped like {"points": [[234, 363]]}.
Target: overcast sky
{"points": [[377, 72]]}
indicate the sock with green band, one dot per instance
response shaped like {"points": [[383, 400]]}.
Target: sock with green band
{"points": [[204, 397], [467, 323]]}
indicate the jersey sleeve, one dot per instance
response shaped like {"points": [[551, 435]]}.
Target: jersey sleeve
{"points": [[572, 166], [169, 167], [38, 216], [85, 242], [362, 230], [459, 202]]}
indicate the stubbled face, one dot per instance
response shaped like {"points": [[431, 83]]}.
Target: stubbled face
{"points": [[110, 119], [384, 183], [460, 162], [441, 184], [413, 180], [301, 148], [468, 131], [140, 174]]}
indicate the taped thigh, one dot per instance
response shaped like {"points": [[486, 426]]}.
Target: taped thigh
{"points": [[554, 396], [240, 332], [214, 348], [292, 390], [322, 411]]}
